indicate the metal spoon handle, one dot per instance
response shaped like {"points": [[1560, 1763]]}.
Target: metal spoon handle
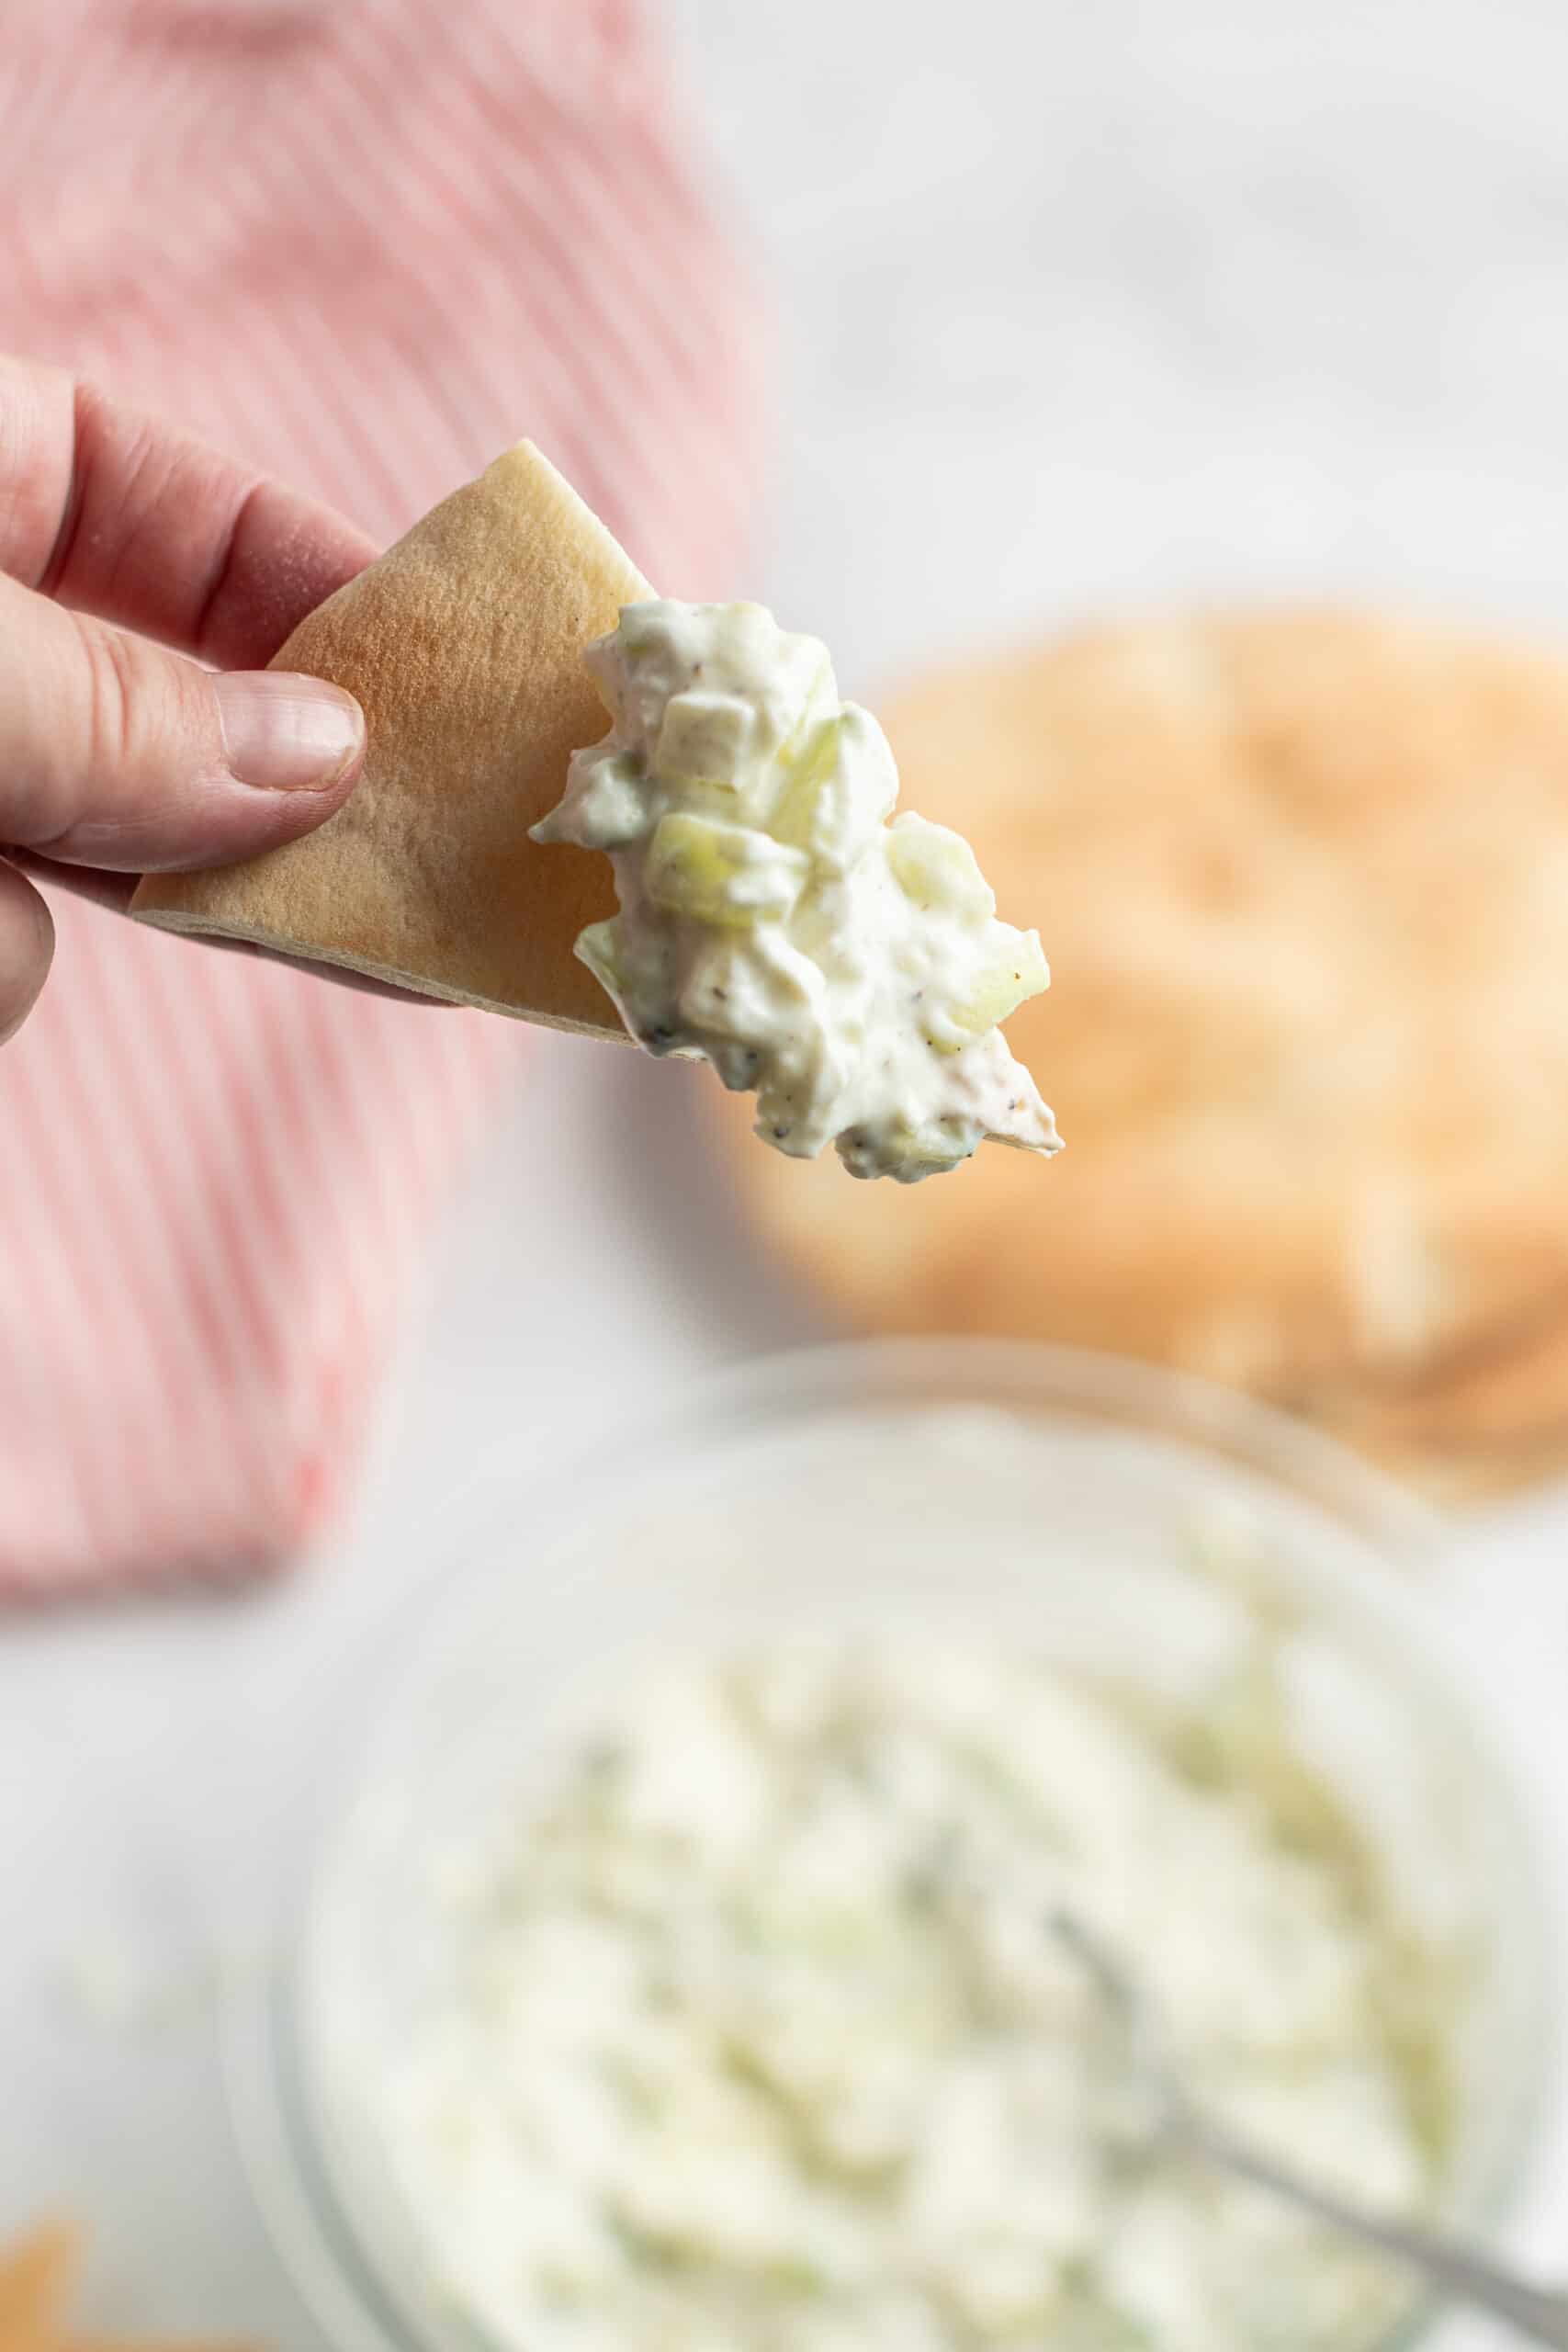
{"points": [[1536, 2311]]}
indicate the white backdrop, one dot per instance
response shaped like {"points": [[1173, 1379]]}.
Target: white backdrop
{"points": [[1086, 306]]}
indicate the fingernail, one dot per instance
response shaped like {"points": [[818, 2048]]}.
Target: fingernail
{"points": [[283, 732]]}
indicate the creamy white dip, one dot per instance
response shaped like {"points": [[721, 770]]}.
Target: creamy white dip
{"points": [[849, 971], [755, 2038]]}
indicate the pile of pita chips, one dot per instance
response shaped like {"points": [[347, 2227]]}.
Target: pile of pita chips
{"points": [[35, 2278], [1304, 876], [464, 644]]}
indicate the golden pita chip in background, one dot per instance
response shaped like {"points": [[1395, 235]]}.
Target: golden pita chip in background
{"points": [[464, 645], [1302, 878], [35, 2277]]}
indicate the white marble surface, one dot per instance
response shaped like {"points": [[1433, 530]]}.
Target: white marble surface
{"points": [[1086, 306]]}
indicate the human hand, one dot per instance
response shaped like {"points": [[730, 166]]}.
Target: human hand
{"points": [[116, 756]]}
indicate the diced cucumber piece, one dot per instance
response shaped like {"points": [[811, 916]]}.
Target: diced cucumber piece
{"points": [[837, 788], [707, 739], [606, 804], [936, 867], [1008, 978], [722, 873]]}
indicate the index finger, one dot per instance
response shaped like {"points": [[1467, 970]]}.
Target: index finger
{"points": [[122, 515]]}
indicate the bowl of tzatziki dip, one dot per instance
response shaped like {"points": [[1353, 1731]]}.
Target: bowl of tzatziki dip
{"points": [[671, 1967]]}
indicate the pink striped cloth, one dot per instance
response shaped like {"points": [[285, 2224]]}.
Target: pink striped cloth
{"points": [[363, 243]]}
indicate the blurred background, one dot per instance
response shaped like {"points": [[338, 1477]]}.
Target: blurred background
{"points": [[1082, 310]]}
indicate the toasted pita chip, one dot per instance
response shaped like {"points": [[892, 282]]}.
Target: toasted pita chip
{"points": [[464, 644], [33, 2275], [35, 2278], [1303, 875]]}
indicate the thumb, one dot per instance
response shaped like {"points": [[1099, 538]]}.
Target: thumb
{"points": [[116, 753]]}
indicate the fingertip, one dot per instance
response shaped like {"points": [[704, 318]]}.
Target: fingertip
{"points": [[27, 948], [285, 559], [353, 767], [286, 733]]}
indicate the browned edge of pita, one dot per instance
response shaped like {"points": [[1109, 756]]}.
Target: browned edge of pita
{"points": [[1488, 1417], [464, 645]]}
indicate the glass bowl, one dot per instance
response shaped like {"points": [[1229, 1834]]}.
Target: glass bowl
{"points": [[1100, 1549]]}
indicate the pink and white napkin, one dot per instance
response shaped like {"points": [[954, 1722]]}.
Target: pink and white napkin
{"points": [[363, 243]]}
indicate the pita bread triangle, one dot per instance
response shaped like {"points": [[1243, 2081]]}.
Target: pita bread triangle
{"points": [[464, 644]]}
